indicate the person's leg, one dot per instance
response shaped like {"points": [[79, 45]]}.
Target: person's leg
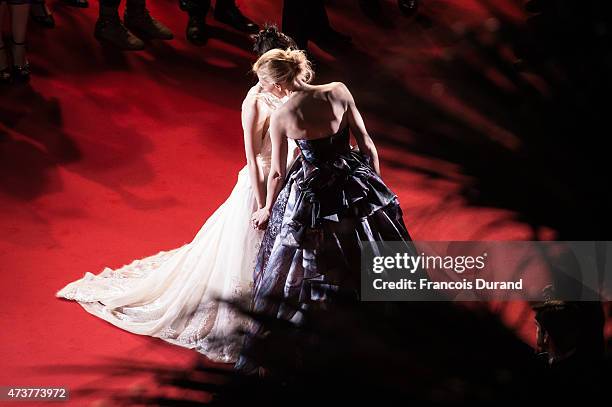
{"points": [[295, 23], [77, 3], [200, 6], [41, 14], [110, 3], [317, 15], [19, 28], [5, 71], [3, 7], [109, 28], [227, 12], [196, 32], [320, 30], [138, 20]]}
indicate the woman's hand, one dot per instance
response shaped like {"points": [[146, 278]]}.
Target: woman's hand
{"points": [[260, 218]]}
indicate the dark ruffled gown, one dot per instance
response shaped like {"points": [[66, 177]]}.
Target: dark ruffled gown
{"points": [[332, 202]]}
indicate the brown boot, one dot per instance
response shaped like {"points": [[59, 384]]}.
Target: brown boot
{"points": [[109, 29], [138, 19]]}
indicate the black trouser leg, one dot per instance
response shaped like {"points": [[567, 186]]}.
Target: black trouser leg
{"points": [[318, 17], [295, 21], [221, 5], [135, 6], [109, 10], [109, 3], [195, 7], [304, 19]]}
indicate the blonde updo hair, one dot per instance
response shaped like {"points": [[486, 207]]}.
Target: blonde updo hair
{"points": [[284, 66]]}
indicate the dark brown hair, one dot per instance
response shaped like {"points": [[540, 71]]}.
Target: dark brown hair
{"points": [[271, 38]]}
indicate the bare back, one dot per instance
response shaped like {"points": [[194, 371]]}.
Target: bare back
{"points": [[317, 112]]}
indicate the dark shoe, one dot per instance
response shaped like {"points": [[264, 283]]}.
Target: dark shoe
{"points": [[408, 7], [41, 15], [233, 17], [141, 23], [20, 73], [5, 73], [109, 29], [195, 6], [5, 76], [196, 31], [77, 3]]}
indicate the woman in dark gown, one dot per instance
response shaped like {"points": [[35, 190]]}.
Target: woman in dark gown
{"points": [[332, 200]]}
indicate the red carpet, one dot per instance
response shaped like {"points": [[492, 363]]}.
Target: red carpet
{"points": [[107, 157]]}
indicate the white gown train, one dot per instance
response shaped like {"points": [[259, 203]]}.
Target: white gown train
{"points": [[171, 295]]}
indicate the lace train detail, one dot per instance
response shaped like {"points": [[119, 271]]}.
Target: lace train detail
{"points": [[173, 295], [87, 289]]}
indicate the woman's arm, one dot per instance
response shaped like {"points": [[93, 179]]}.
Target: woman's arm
{"points": [[357, 126], [253, 120], [278, 170]]}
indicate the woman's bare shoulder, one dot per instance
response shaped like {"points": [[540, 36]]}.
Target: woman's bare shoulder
{"points": [[254, 90], [331, 86], [338, 91], [252, 98], [339, 87]]}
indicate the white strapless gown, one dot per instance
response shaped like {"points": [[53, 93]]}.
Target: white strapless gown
{"points": [[171, 295]]}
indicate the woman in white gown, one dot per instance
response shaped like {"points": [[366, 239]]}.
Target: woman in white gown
{"points": [[173, 295]]}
